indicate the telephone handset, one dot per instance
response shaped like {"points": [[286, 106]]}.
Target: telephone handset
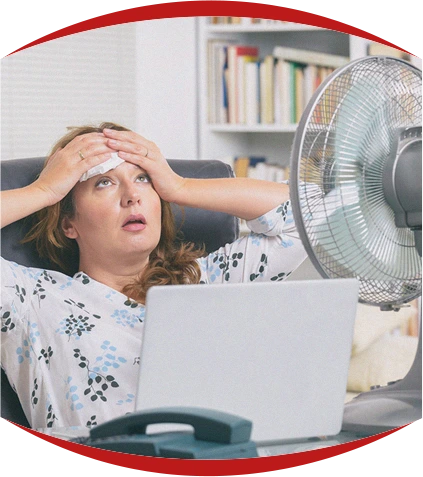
{"points": [[217, 435]]}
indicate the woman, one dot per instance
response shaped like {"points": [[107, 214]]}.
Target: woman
{"points": [[71, 345]]}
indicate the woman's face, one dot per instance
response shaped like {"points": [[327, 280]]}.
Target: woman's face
{"points": [[117, 216]]}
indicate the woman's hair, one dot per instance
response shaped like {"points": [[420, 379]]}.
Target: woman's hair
{"points": [[169, 263]]}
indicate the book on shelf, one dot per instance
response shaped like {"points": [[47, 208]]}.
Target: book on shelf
{"points": [[311, 81], [283, 88], [217, 74], [268, 172], [324, 110], [316, 58], [266, 21], [267, 90], [252, 93], [220, 20], [247, 100], [299, 93], [293, 91], [376, 49], [243, 21], [241, 166], [248, 90], [256, 167], [238, 57], [295, 84]]}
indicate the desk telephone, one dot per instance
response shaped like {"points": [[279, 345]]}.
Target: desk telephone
{"points": [[216, 435]]}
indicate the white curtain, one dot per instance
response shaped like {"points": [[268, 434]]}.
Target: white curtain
{"points": [[84, 78]]}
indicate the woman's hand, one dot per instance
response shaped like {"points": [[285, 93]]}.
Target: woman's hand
{"points": [[62, 171], [137, 150], [66, 166]]}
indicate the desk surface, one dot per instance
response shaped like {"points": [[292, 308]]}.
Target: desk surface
{"points": [[307, 444], [269, 449]]}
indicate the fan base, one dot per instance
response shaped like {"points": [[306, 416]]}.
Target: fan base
{"points": [[381, 410]]}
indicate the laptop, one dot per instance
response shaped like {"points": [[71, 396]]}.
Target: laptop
{"points": [[276, 353]]}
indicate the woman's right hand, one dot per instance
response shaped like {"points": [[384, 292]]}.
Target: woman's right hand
{"points": [[66, 166]]}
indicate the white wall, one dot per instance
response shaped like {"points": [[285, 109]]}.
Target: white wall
{"points": [[167, 85], [141, 75], [84, 78]]}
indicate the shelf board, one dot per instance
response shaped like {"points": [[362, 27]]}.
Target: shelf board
{"points": [[258, 28], [259, 128]]}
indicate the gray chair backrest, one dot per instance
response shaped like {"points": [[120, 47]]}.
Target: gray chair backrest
{"points": [[211, 229]]}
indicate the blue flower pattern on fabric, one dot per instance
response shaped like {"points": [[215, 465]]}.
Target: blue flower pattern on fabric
{"points": [[129, 399], [263, 220], [72, 396], [75, 331], [108, 359], [210, 267], [126, 318], [34, 333], [256, 239], [110, 295], [29, 272], [222, 263], [286, 242], [141, 313], [67, 284], [289, 217], [24, 352]]}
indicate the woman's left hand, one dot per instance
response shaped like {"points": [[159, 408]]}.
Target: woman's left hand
{"points": [[136, 149]]}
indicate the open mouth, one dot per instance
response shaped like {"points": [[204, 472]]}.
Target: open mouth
{"points": [[134, 222]]}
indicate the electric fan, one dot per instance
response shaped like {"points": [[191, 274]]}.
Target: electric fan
{"points": [[356, 180]]}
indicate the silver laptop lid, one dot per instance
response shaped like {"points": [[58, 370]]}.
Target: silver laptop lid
{"points": [[275, 353]]}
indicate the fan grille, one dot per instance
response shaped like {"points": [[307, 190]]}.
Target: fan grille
{"points": [[342, 144]]}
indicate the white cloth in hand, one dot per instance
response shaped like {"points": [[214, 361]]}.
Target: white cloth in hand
{"points": [[108, 165]]}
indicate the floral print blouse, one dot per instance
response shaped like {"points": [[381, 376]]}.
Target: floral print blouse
{"points": [[70, 346]]}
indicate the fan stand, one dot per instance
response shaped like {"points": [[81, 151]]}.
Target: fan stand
{"points": [[390, 406]]}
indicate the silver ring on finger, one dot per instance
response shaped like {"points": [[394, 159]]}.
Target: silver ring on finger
{"points": [[81, 155]]}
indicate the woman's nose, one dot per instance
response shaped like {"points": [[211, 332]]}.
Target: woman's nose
{"points": [[131, 195]]}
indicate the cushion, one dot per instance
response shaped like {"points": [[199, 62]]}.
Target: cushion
{"points": [[371, 323], [389, 358]]}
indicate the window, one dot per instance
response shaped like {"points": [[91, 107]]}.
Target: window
{"points": [[80, 79]]}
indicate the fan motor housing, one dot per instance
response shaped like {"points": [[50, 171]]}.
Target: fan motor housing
{"points": [[402, 179]]}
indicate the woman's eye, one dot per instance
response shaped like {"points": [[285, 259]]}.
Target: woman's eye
{"points": [[103, 182], [143, 178]]}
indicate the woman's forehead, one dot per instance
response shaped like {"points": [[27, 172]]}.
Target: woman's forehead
{"points": [[124, 167], [129, 166]]}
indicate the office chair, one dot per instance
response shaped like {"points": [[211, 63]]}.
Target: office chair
{"points": [[211, 229]]}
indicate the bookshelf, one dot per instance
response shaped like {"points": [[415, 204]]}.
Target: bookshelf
{"points": [[273, 141], [226, 141], [171, 101], [240, 128], [245, 26]]}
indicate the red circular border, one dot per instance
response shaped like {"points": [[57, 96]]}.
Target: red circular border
{"points": [[209, 467], [207, 8]]}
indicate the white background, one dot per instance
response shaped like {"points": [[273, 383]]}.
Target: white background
{"points": [[23, 22]]}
